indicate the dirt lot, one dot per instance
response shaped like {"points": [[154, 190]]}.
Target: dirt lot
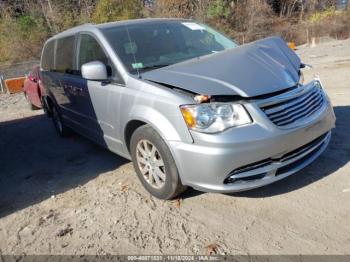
{"points": [[69, 196]]}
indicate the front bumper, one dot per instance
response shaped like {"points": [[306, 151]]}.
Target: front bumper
{"points": [[248, 157]]}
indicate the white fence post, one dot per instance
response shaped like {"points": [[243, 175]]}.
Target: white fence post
{"points": [[2, 84]]}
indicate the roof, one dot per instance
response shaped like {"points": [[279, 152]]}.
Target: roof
{"points": [[92, 27], [139, 21]]}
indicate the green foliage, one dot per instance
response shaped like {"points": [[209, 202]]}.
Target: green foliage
{"points": [[319, 16], [26, 24], [114, 10], [21, 37], [180, 8], [219, 9]]}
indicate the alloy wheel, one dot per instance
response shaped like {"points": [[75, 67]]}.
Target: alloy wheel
{"points": [[150, 163]]}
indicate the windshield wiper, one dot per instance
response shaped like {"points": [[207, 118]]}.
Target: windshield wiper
{"points": [[153, 66]]}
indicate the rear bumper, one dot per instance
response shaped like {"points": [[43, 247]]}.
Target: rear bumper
{"points": [[248, 157]]}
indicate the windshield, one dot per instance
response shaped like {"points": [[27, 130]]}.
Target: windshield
{"points": [[150, 45]]}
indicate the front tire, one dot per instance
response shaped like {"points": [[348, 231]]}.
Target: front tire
{"points": [[154, 164]]}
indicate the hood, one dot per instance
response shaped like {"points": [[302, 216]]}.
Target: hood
{"points": [[253, 69]]}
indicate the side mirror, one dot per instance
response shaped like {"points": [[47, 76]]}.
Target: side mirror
{"points": [[95, 70]]}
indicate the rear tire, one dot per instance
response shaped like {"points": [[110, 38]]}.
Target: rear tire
{"points": [[60, 127], [154, 164], [44, 106]]}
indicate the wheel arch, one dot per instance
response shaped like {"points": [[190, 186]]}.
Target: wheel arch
{"points": [[142, 115], [129, 129], [49, 103]]}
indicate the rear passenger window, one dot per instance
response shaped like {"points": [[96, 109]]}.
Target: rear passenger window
{"points": [[47, 59], [65, 55], [90, 50]]}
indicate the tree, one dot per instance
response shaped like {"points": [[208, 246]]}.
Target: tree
{"points": [[219, 9], [178, 8], [114, 10]]}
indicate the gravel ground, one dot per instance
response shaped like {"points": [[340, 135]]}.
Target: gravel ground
{"points": [[69, 196]]}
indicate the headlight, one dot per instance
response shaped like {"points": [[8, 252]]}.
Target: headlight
{"points": [[214, 117]]}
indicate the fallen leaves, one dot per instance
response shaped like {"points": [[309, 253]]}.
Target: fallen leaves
{"points": [[212, 249], [178, 202], [52, 214], [67, 230], [125, 188], [41, 221]]}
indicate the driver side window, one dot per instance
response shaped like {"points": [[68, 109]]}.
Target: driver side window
{"points": [[90, 50]]}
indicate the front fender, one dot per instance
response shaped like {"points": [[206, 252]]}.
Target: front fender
{"points": [[171, 127]]}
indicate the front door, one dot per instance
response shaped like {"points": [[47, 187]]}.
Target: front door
{"points": [[93, 97]]}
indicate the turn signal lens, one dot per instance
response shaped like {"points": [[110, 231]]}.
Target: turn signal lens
{"points": [[188, 116]]}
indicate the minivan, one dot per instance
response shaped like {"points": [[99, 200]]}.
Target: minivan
{"points": [[188, 105]]}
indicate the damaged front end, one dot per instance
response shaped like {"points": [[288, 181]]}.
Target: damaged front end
{"points": [[222, 83], [259, 68]]}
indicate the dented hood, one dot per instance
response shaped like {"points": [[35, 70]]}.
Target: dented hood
{"points": [[254, 69]]}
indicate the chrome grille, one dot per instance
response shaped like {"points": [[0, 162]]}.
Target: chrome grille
{"points": [[295, 108]]}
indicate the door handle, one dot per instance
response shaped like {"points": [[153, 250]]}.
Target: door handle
{"points": [[77, 89], [74, 89]]}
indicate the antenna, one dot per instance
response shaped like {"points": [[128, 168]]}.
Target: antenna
{"points": [[133, 54]]}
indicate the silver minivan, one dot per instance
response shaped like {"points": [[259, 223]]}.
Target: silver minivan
{"points": [[187, 104]]}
